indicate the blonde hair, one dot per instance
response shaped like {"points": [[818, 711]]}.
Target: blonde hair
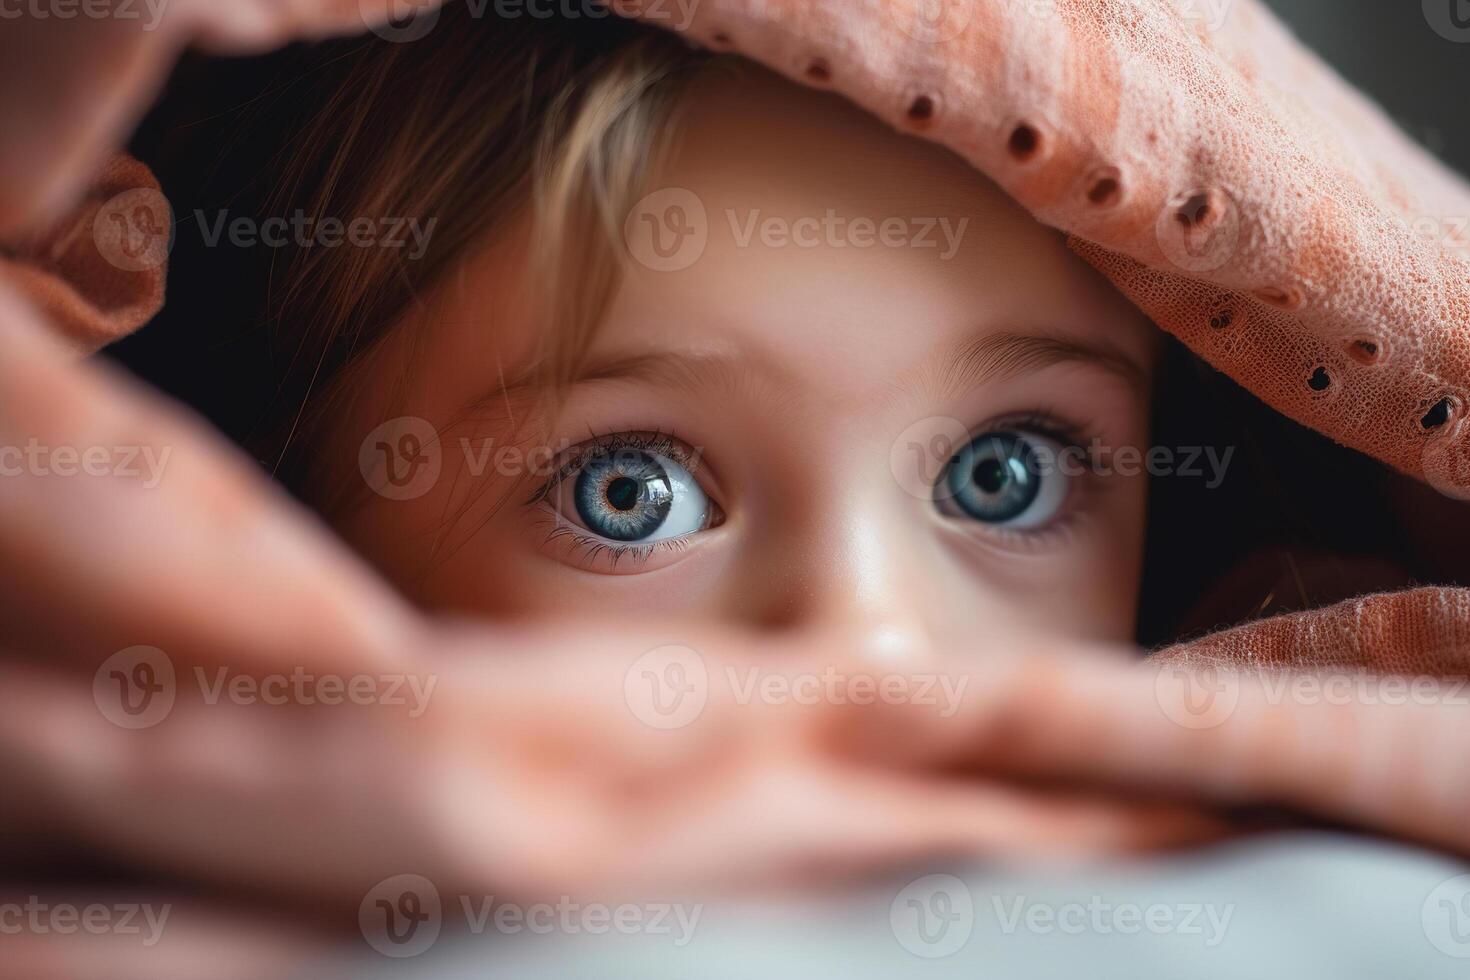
{"points": [[470, 126]]}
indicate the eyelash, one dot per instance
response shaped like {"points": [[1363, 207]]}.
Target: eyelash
{"points": [[1048, 422], [588, 547], [597, 444], [1045, 422]]}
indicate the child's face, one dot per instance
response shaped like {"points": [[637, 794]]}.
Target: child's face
{"points": [[848, 409]]}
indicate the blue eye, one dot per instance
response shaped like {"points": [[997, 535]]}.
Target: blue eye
{"points": [[637, 495], [1004, 478]]}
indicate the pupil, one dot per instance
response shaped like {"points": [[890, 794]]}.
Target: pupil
{"points": [[991, 475], [623, 493]]}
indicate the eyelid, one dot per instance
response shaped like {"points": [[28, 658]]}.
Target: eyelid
{"points": [[587, 549], [1043, 422], [654, 441]]}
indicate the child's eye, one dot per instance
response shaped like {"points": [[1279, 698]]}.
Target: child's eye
{"points": [[631, 495], [1006, 479]]}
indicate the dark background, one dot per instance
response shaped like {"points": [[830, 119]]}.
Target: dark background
{"points": [[1389, 50], [1299, 521]]}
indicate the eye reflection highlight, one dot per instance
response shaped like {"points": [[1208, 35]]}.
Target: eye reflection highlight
{"points": [[633, 496], [1000, 478]]}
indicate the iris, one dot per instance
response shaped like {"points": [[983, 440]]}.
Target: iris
{"points": [[624, 496], [995, 478]]}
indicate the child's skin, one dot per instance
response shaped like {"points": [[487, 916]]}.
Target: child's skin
{"points": [[791, 379]]}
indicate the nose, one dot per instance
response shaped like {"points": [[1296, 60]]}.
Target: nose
{"points": [[853, 566]]}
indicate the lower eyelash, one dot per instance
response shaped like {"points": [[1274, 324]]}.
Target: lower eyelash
{"points": [[1046, 535], [589, 548]]}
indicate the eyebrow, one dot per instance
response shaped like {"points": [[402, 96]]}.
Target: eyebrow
{"points": [[696, 371], [1005, 355], [982, 360]]}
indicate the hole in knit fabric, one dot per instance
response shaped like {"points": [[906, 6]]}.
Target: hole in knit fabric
{"points": [[819, 70], [921, 110], [1365, 351], [1024, 142], [1200, 210], [1320, 380], [1106, 187], [1436, 416]]}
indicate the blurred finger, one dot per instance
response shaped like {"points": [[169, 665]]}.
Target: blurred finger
{"points": [[53, 934], [1353, 746], [117, 503]]}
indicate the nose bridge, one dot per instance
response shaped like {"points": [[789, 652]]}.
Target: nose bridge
{"points": [[851, 562]]}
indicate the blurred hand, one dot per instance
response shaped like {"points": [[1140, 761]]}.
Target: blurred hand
{"points": [[150, 618]]}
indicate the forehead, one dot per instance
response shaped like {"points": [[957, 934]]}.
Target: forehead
{"points": [[790, 226]]}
